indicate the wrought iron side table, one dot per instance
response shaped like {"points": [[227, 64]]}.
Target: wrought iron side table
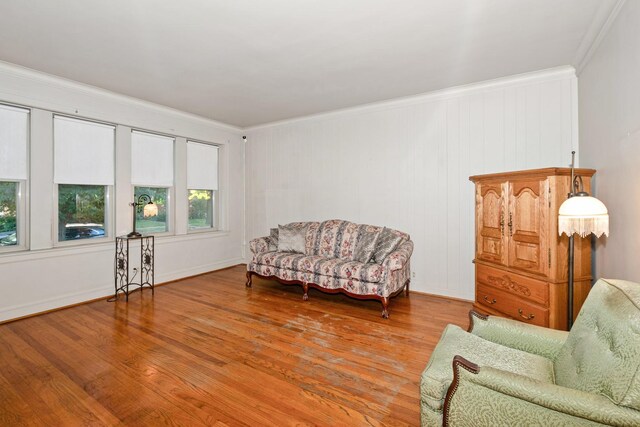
{"points": [[122, 280]]}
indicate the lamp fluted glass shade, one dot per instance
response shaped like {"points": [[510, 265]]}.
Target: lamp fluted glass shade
{"points": [[150, 209], [583, 215]]}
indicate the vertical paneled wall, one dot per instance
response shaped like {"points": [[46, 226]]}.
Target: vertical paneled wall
{"points": [[610, 133], [405, 164]]}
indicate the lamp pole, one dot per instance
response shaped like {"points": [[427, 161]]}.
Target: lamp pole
{"points": [[571, 253], [583, 215], [143, 199]]}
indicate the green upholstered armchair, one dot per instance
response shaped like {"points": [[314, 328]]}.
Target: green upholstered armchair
{"points": [[504, 372]]}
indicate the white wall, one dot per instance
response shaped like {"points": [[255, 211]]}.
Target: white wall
{"points": [[609, 89], [46, 277], [405, 164]]}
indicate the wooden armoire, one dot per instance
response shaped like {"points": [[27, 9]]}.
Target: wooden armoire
{"points": [[521, 263]]}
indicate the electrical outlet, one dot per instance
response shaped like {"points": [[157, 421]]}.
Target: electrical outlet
{"points": [[413, 274]]}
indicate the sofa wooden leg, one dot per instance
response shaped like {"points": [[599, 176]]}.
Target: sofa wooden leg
{"points": [[248, 284], [305, 288], [406, 288], [385, 307]]}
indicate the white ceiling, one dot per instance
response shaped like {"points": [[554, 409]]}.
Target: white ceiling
{"points": [[246, 62]]}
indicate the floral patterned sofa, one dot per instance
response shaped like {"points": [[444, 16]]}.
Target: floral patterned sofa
{"points": [[329, 262]]}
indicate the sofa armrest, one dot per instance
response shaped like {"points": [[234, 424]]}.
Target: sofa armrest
{"points": [[488, 396], [259, 245], [533, 339], [398, 258]]}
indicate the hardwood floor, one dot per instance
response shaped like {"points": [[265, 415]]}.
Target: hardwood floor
{"points": [[208, 351]]}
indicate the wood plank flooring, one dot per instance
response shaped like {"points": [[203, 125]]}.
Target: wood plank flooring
{"points": [[208, 351]]}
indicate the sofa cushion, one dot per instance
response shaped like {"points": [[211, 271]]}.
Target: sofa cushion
{"points": [[273, 239], [336, 239], [339, 268], [438, 375], [285, 260], [311, 238], [386, 243], [316, 265], [366, 243], [291, 238], [602, 352]]}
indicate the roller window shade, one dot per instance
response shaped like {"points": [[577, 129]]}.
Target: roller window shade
{"points": [[83, 152], [14, 136], [151, 159], [202, 166]]}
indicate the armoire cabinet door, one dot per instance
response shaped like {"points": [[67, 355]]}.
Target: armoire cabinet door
{"points": [[491, 222], [527, 225]]}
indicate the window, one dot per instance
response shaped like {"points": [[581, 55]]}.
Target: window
{"points": [[202, 183], [152, 174], [201, 203], [81, 211], [8, 213], [84, 176], [153, 224], [14, 135]]}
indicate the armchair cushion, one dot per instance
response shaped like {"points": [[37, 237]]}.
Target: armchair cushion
{"points": [[522, 336], [602, 352], [438, 375], [490, 397]]}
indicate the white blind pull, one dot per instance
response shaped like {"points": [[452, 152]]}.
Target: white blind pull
{"points": [[202, 166], [14, 136], [151, 159], [83, 152]]}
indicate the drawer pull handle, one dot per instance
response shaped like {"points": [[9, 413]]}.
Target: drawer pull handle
{"points": [[510, 224], [529, 317], [486, 299]]}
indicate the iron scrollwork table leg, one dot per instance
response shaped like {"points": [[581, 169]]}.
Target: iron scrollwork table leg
{"points": [[147, 262]]}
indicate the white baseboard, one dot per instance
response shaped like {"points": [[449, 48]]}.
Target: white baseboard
{"points": [[104, 290]]}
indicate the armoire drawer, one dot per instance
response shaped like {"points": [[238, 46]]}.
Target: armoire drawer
{"points": [[514, 284], [511, 305]]}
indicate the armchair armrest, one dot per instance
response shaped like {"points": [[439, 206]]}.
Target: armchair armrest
{"points": [[533, 339], [259, 245], [398, 258], [487, 396]]}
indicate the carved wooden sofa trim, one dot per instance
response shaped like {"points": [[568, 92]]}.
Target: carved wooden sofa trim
{"points": [[306, 286]]}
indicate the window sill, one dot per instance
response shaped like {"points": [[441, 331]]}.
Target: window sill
{"points": [[94, 247], [13, 249], [194, 235]]}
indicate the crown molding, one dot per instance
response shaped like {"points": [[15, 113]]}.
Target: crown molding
{"points": [[550, 74], [18, 71], [599, 28]]}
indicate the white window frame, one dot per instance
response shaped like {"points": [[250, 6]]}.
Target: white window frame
{"points": [[109, 208], [215, 228], [22, 196], [170, 189]]}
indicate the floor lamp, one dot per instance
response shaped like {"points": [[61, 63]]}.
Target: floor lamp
{"points": [[583, 215]]}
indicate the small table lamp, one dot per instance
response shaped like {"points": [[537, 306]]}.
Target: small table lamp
{"points": [[583, 215], [150, 209]]}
